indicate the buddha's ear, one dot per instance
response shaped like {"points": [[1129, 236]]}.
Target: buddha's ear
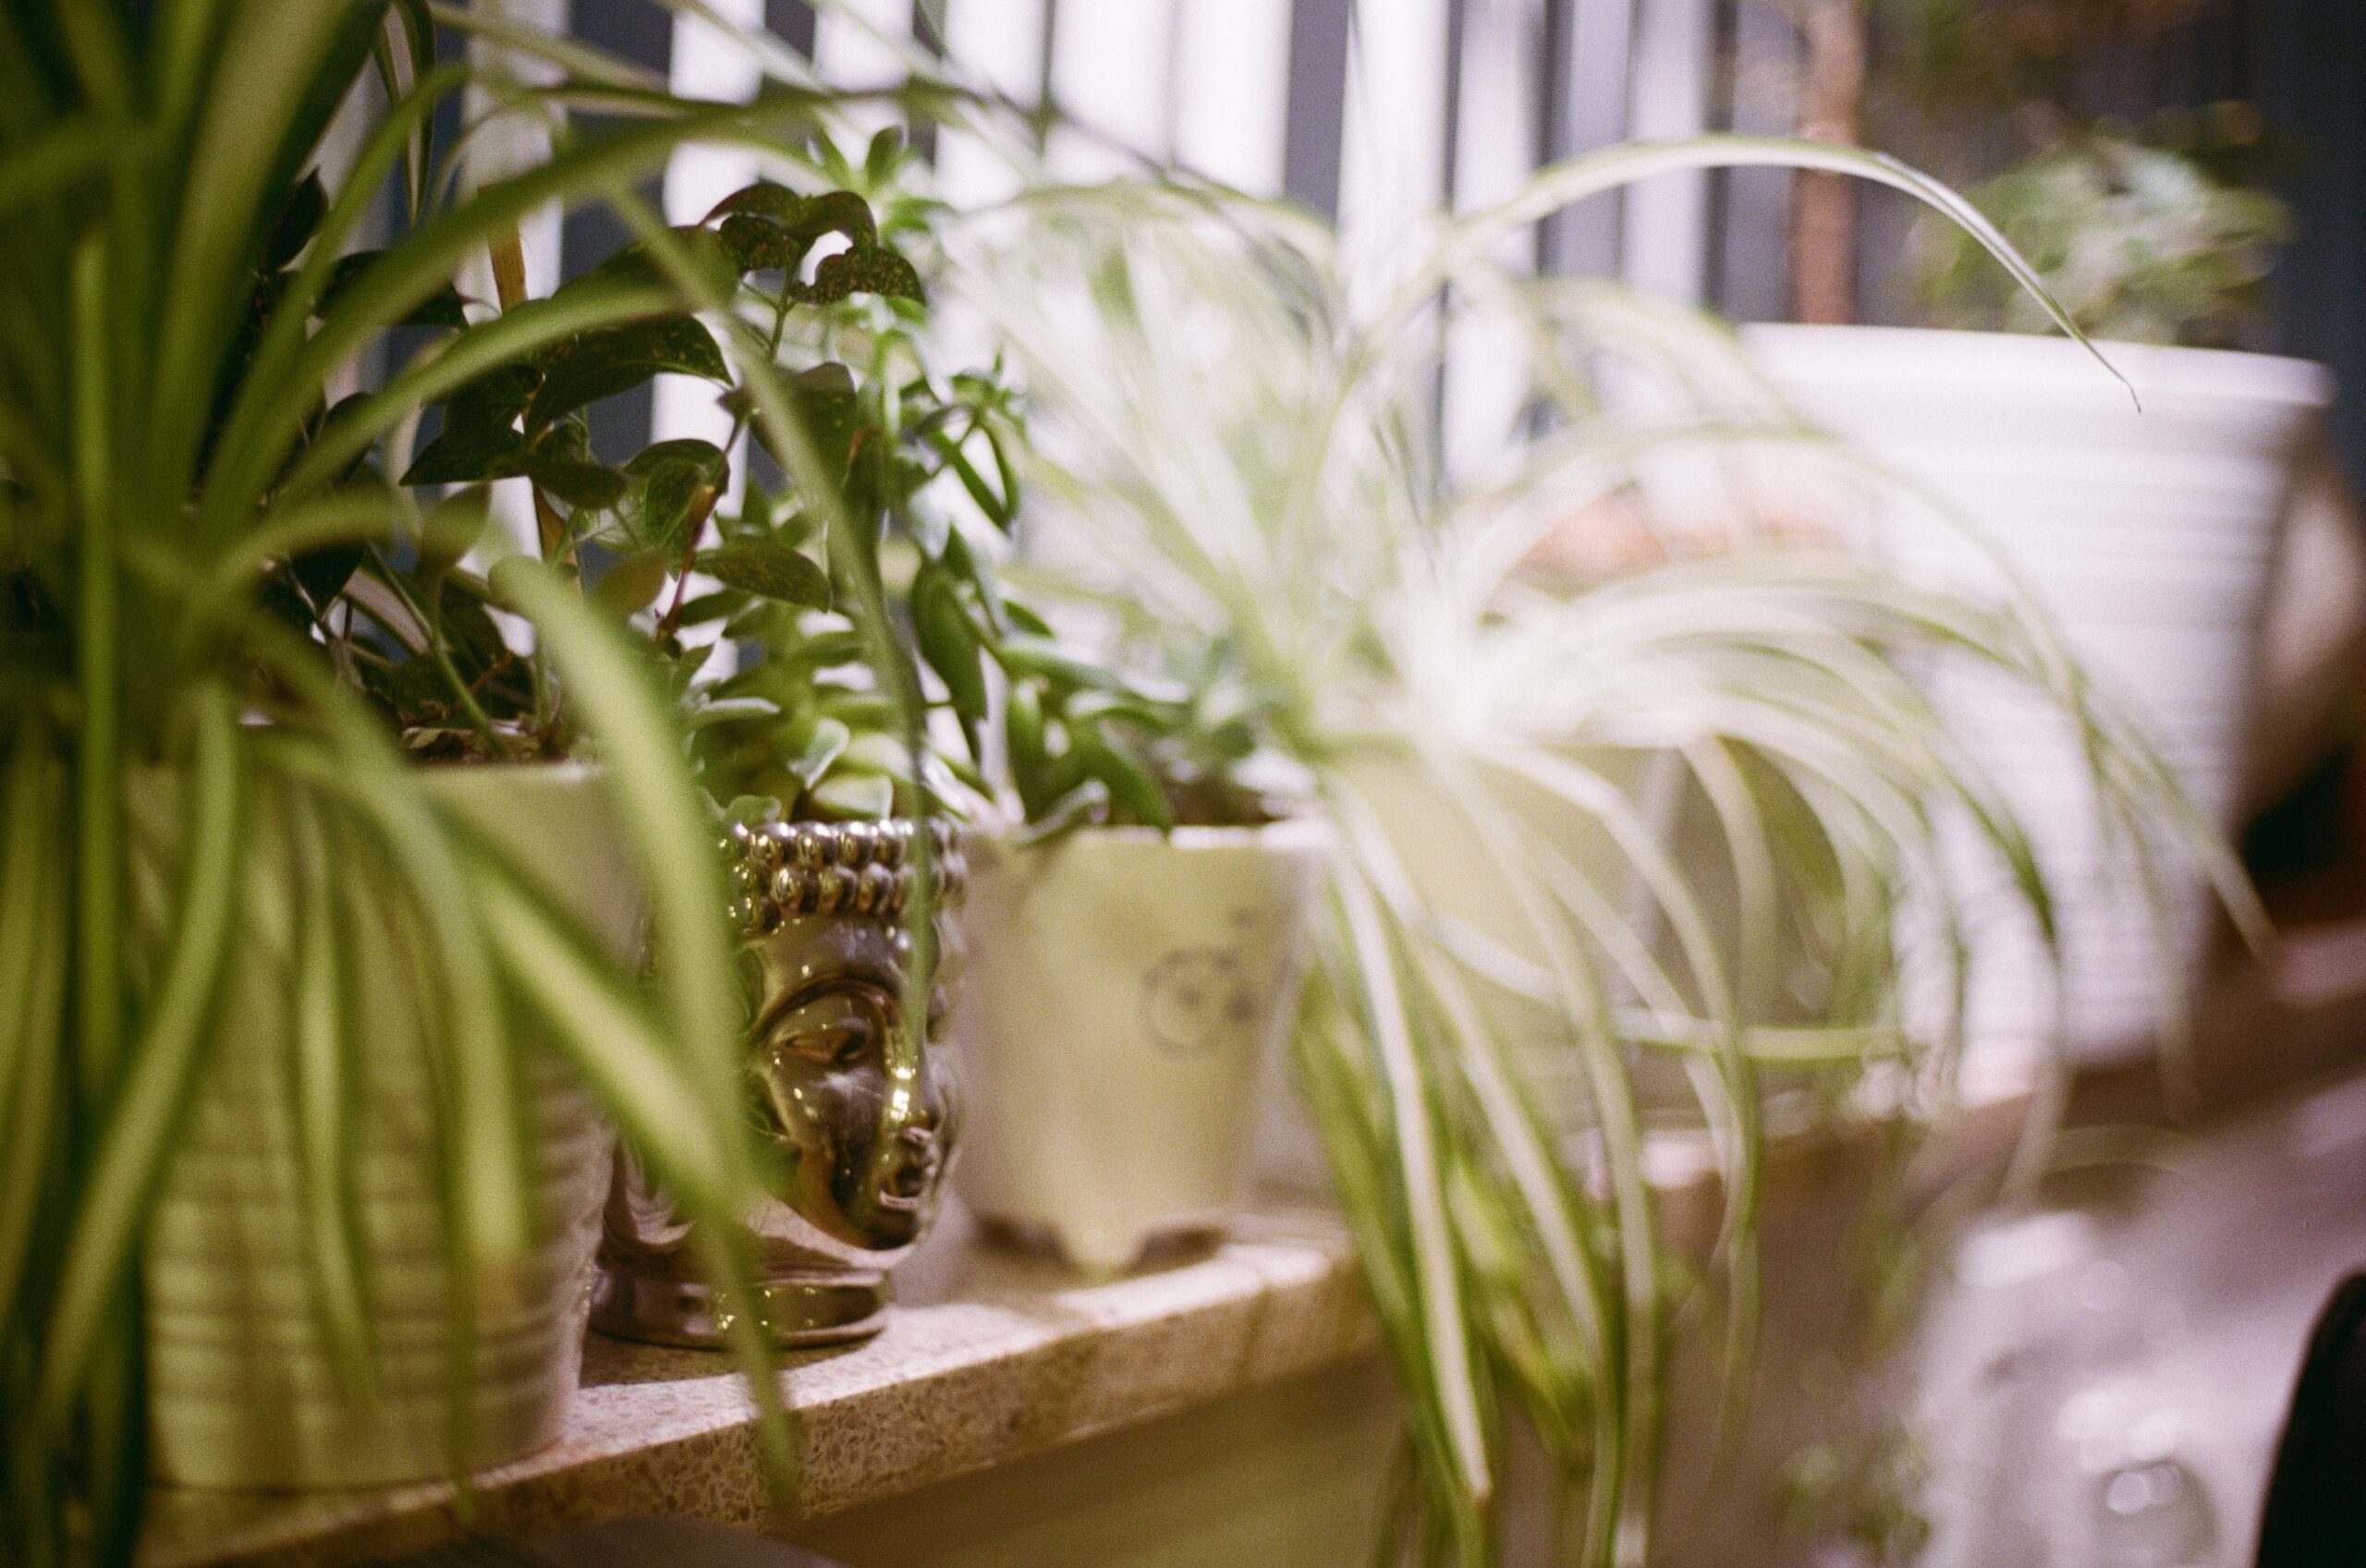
{"points": [[754, 983]]}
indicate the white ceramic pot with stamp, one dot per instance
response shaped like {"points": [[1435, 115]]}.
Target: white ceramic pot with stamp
{"points": [[244, 1387], [1124, 989]]}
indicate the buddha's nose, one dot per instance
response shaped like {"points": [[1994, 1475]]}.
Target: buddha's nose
{"points": [[912, 1175]]}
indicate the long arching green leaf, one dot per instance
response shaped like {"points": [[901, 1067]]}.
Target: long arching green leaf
{"points": [[325, 1086], [1593, 174], [428, 258], [164, 1061], [1413, 1133], [236, 471], [658, 806], [33, 958], [511, 337], [248, 134]]}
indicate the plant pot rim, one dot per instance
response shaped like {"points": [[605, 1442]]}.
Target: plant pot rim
{"points": [[568, 767], [1303, 828], [1879, 353], [452, 776]]}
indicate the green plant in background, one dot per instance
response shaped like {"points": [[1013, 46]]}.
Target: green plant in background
{"points": [[803, 721], [2138, 242], [1245, 449], [2161, 233], [1091, 744], [210, 577]]}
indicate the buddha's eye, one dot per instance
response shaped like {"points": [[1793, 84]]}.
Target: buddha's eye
{"points": [[833, 1028]]}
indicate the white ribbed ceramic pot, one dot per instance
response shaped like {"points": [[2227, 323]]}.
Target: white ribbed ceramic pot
{"points": [[1123, 990], [2149, 536], [243, 1390]]}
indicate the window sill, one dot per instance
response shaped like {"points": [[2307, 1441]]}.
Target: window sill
{"points": [[991, 1357]]}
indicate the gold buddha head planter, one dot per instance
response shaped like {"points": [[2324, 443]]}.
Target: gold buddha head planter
{"points": [[857, 1113]]}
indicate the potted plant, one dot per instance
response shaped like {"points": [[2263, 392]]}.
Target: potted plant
{"points": [[312, 1040], [853, 600], [1136, 953], [1239, 445], [2147, 520]]}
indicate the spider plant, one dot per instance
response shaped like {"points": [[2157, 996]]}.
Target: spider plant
{"points": [[1246, 445], [185, 515]]}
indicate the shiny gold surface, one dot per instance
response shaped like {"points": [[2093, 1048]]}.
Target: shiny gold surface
{"points": [[859, 1115]]}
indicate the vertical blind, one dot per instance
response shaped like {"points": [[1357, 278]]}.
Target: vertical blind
{"points": [[1372, 110], [1375, 113], [1363, 110]]}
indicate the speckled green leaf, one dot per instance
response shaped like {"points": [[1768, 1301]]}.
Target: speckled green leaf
{"points": [[593, 365], [469, 454], [496, 397], [872, 269], [829, 413], [803, 219], [577, 480], [757, 245], [773, 571], [445, 307], [674, 485]]}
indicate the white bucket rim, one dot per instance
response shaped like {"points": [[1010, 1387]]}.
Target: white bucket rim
{"points": [[2030, 362]]}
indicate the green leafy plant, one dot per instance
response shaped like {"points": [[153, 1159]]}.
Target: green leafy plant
{"points": [[1245, 447], [2160, 234], [804, 720], [210, 578], [1087, 744], [2138, 242], [802, 728]]}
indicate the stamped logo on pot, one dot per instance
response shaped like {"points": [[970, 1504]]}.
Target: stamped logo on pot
{"points": [[1196, 999]]}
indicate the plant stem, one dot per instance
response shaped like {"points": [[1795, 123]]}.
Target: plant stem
{"points": [[432, 623], [98, 903], [667, 622], [699, 511], [509, 268], [508, 255]]}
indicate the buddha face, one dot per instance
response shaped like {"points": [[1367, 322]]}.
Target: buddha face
{"points": [[858, 1119]]}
